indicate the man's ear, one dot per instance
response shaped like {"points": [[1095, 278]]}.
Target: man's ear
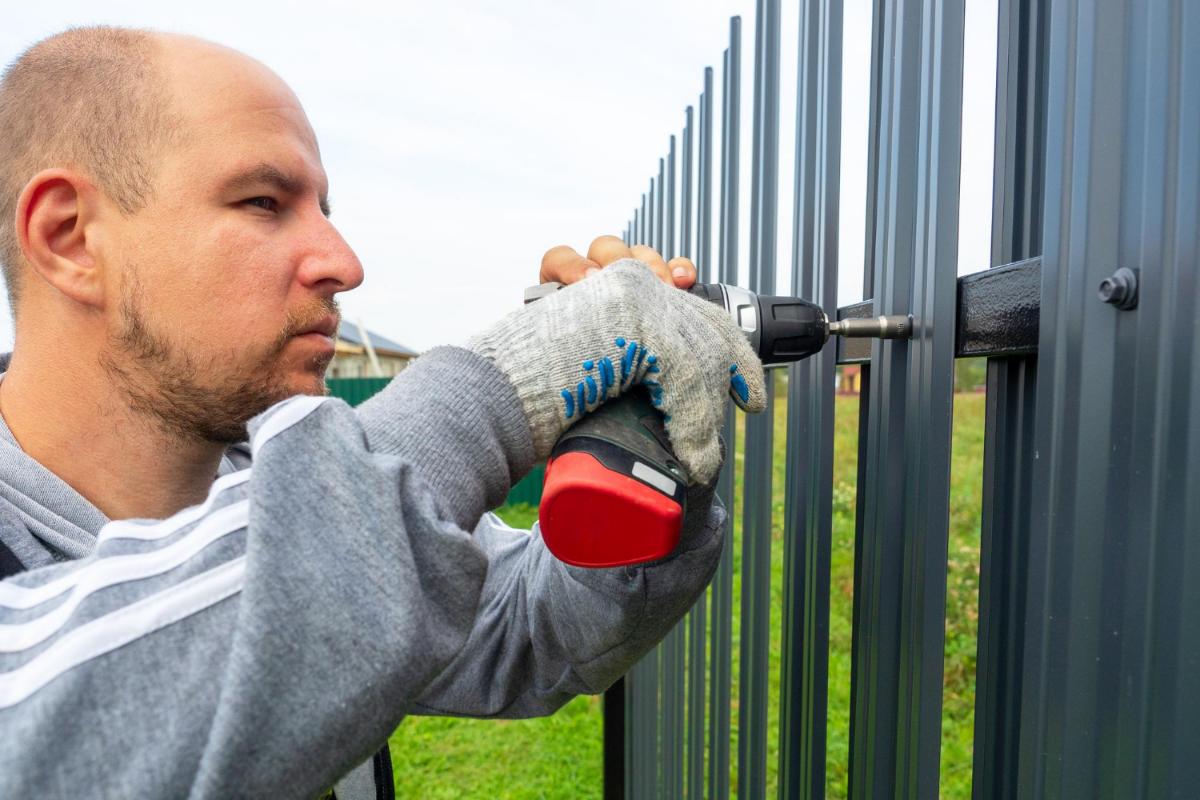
{"points": [[55, 211]]}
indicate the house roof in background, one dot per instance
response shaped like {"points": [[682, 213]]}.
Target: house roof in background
{"points": [[348, 332]]}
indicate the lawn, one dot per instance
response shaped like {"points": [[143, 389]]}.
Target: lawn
{"points": [[560, 756]]}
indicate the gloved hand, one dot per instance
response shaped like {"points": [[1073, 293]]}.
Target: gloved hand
{"points": [[596, 339]]}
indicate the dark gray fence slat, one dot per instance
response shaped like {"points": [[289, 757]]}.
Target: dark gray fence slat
{"points": [[689, 621], [698, 617], [672, 678], [660, 208], [1113, 634], [668, 243], [1004, 555], [655, 777], [756, 517], [896, 732], [808, 504], [641, 233], [721, 639], [1020, 143], [1018, 178], [644, 735], [686, 189]]}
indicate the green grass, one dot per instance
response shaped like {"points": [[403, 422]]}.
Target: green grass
{"points": [[560, 756]]}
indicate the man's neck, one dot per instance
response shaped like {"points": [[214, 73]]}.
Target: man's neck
{"points": [[67, 415]]}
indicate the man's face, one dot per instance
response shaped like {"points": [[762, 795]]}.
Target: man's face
{"points": [[226, 278]]}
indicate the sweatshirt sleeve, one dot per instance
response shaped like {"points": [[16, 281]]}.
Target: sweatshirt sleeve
{"points": [[266, 641]]}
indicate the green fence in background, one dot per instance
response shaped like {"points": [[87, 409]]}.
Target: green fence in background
{"points": [[356, 390], [529, 489]]}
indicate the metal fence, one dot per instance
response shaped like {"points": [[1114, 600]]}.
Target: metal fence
{"points": [[1089, 627]]}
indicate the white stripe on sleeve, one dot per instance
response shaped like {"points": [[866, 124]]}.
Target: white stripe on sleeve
{"points": [[105, 572], [284, 416], [115, 630]]}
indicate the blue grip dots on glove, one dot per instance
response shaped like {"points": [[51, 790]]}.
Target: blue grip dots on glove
{"points": [[637, 369]]}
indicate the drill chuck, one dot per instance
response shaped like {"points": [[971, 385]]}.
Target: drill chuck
{"points": [[780, 329]]}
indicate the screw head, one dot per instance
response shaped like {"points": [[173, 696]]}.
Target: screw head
{"points": [[1120, 289]]}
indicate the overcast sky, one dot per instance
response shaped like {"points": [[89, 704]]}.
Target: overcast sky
{"points": [[464, 139]]}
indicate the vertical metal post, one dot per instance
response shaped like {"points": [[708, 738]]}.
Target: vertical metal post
{"points": [[721, 677], [808, 508], [697, 618], [756, 519], [614, 742], [660, 207], [672, 647], [686, 157], [642, 222], [1017, 210], [668, 244], [693, 625], [1110, 699], [896, 735], [642, 701]]}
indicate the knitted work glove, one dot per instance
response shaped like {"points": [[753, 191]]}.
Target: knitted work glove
{"points": [[596, 339]]}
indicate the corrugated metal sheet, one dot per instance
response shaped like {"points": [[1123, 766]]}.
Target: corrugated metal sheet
{"points": [[1089, 635], [808, 502], [905, 456], [1018, 179], [1113, 622]]}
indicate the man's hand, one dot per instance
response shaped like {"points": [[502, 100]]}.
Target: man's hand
{"points": [[566, 266], [576, 348]]}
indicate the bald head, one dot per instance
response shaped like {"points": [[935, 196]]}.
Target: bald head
{"points": [[91, 99]]}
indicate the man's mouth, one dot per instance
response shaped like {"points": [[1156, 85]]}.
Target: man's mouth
{"points": [[325, 326]]}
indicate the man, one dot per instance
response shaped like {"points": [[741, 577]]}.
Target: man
{"points": [[172, 270]]}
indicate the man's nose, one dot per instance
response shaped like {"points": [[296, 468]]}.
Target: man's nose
{"points": [[330, 264]]}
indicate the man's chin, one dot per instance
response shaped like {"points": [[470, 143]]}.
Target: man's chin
{"points": [[309, 382]]}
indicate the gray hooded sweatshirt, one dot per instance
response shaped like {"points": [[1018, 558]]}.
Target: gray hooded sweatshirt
{"points": [[265, 642]]}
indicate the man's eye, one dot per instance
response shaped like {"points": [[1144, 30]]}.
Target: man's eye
{"points": [[265, 203]]}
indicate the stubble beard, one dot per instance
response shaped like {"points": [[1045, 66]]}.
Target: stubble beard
{"points": [[165, 384]]}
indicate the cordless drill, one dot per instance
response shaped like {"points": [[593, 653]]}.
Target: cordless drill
{"points": [[614, 493]]}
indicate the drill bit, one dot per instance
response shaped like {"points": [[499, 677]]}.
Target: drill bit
{"points": [[893, 326]]}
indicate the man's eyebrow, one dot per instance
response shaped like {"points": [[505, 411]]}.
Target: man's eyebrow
{"points": [[271, 175]]}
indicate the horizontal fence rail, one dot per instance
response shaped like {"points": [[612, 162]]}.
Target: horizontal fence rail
{"points": [[1088, 632]]}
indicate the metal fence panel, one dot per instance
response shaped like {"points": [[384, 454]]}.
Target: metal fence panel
{"points": [[1090, 562], [697, 619], [900, 588], [808, 503], [721, 636], [1020, 151], [753, 675], [1113, 631]]}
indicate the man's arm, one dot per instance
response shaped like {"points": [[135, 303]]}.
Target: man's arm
{"points": [[544, 631], [547, 631], [267, 641]]}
